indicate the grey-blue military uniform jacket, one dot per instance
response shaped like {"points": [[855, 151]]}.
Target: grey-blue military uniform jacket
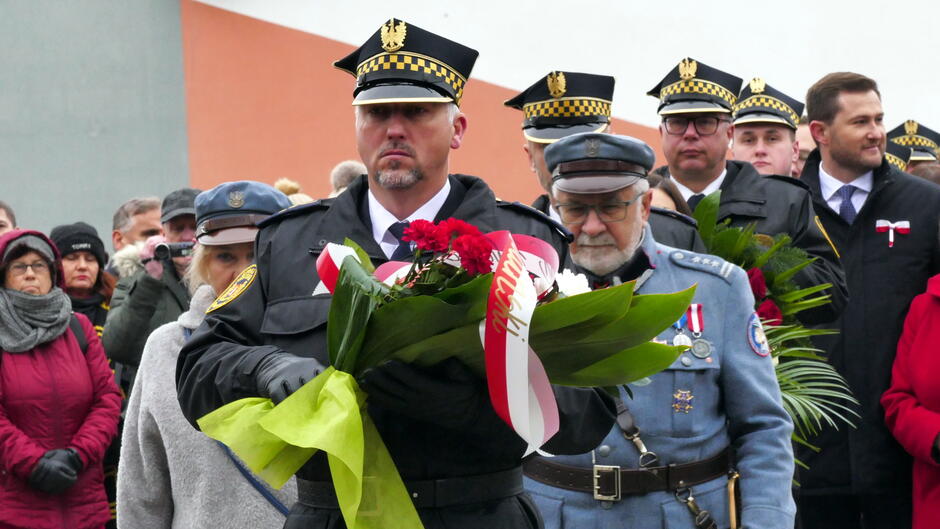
{"points": [[694, 410]]}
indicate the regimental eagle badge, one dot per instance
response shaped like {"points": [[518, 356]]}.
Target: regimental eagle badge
{"points": [[592, 147], [910, 127], [687, 69], [557, 85], [393, 35], [758, 85], [236, 199]]}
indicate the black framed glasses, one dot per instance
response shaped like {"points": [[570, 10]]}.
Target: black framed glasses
{"points": [[606, 212], [704, 125], [38, 268]]}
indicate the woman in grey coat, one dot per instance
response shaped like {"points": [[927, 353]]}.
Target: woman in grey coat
{"points": [[172, 476]]}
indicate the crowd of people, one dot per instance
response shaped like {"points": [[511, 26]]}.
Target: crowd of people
{"points": [[107, 362]]}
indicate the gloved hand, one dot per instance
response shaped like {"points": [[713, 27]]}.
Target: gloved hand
{"points": [[56, 471], [280, 374], [448, 394]]}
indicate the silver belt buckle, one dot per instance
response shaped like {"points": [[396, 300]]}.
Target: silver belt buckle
{"points": [[596, 473]]}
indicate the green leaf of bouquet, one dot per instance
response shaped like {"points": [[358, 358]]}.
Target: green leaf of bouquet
{"points": [[598, 306], [623, 367], [462, 343], [793, 308], [783, 277], [355, 298], [724, 243], [796, 295], [706, 214], [769, 252], [364, 259]]}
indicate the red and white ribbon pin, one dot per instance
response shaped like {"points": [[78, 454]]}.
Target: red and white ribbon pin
{"points": [[903, 227]]}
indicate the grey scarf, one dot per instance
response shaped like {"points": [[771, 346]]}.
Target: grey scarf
{"points": [[27, 320]]}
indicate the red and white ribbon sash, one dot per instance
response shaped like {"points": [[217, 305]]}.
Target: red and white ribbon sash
{"points": [[902, 226], [696, 320]]}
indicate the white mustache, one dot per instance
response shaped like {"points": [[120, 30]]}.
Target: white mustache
{"points": [[603, 239]]}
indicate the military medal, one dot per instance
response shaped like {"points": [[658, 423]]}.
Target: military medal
{"points": [[681, 338], [701, 348]]}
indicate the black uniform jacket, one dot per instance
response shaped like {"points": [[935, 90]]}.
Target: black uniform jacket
{"points": [[279, 313], [780, 204], [669, 227], [883, 282]]}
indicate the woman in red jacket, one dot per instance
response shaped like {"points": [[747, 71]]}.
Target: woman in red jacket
{"points": [[59, 405], [912, 403]]}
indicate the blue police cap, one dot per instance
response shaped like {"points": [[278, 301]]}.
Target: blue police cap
{"points": [[593, 162], [228, 213]]}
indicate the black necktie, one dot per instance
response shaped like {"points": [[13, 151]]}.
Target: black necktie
{"points": [[404, 248], [694, 200]]}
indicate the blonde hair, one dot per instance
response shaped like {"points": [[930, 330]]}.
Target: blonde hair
{"points": [[198, 272], [291, 188]]}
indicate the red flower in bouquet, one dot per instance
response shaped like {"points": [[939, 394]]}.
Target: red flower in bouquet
{"points": [[427, 236], [474, 252], [758, 284], [769, 312]]}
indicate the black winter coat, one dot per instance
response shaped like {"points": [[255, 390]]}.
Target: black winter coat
{"points": [[883, 281], [277, 313]]}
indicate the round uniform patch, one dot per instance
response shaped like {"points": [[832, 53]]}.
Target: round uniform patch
{"points": [[756, 337], [235, 289]]}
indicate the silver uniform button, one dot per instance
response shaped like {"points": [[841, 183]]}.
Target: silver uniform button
{"points": [[677, 255], [603, 451], [686, 361]]}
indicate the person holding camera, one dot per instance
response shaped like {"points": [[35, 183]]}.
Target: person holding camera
{"points": [[157, 294]]}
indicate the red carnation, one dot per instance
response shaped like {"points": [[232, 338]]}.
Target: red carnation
{"points": [[758, 284], [427, 236], [474, 252], [769, 313], [455, 228]]}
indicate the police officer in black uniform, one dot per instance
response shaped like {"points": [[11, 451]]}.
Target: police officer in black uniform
{"points": [[924, 141], [898, 155], [695, 104], [565, 103], [459, 461]]}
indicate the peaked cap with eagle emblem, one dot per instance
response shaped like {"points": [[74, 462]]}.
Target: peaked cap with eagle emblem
{"points": [[761, 103], [692, 86], [924, 141], [564, 103]]}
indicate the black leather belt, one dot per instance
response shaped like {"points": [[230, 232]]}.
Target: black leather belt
{"points": [[610, 482], [428, 493]]}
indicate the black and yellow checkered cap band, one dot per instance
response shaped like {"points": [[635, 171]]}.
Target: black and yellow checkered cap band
{"points": [[909, 140], [895, 161], [699, 86], [567, 107], [767, 102], [414, 62]]}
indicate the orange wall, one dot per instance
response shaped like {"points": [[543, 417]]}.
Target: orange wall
{"points": [[264, 102]]}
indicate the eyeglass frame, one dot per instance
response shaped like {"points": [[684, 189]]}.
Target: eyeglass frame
{"points": [[625, 203], [37, 267], [695, 124]]}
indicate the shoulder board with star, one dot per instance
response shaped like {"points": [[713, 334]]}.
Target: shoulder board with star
{"points": [[703, 263], [532, 212], [675, 215], [788, 180], [293, 211]]}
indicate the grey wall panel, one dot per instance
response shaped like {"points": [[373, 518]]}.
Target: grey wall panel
{"points": [[92, 108]]}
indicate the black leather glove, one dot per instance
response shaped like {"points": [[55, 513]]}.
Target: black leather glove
{"points": [[447, 394], [56, 471], [280, 374]]}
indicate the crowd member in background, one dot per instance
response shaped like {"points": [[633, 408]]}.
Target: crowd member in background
{"points": [[765, 121], [885, 224], [929, 172], [923, 141], [89, 288], [807, 144], [156, 294], [172, 476], [912, 402], [293, 192], [343, 174], [134, 222], [7, 218], [59, 405], [898, 155], [666, 195]]}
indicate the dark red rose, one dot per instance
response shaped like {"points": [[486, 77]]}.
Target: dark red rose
{"points": [[769, 313], [758, 284]]}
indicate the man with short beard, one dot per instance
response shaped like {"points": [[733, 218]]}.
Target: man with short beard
{"points": [[695, 105], [718, 397], [459, 460], [885, 224]]}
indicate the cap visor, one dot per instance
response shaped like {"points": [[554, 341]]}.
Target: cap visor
{"points": [[399, 93], [594, 184], [921, 156], [172, 214], [553, 134], [229, 236], [688, 107], [761, 117]]}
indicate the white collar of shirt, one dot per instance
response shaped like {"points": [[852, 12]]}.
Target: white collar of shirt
{"points": [[829, 188], [709, 189], [382, 218]]}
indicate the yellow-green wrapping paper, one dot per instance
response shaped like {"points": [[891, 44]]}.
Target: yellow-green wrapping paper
{"points": [[275, 441]]}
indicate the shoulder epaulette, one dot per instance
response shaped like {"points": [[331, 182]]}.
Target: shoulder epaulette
{"points": [[323, 203], [703, 263], [532, 212], [675, 215], [788, 179]]}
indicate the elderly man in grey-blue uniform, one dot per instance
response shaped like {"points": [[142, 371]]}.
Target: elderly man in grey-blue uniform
{"points": [[705, 443]]}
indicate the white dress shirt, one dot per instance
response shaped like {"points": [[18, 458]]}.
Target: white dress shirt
{"points": [[709, 189], [829, 189], [382, 218]]}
